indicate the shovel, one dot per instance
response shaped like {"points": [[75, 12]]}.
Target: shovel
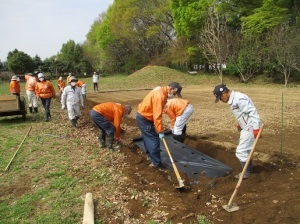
{"points": [[180, 181], [232, 208]]}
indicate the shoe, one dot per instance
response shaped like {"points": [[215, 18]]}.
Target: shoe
{"points": [[246, 175]]}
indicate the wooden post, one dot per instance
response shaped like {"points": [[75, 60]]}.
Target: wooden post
{"points": [[88, 214]]}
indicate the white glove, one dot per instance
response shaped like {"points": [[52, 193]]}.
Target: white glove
{"points": [[63, 107]]}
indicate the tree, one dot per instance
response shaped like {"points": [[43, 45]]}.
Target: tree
{"points": [[284, 47], [38, 63], [20, 63], [216, 40]]}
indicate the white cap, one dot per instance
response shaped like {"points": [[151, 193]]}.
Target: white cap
{"points": [[41, 75], [14, 78]]}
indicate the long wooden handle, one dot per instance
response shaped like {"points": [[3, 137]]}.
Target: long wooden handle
{"points": [[245, 167], [172, 161], [17, 149]]}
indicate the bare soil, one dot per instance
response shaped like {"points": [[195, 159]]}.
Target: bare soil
{"points": [[270, 195]]}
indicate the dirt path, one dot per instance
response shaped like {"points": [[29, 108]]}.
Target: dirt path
{"points": [[270, 195]]}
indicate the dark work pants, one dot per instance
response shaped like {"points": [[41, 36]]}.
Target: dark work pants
{"points": [[102, 123], [46, 104], [150, 138]]}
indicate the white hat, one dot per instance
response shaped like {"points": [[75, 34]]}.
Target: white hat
{"points": [[41, 75], [14, 78]]}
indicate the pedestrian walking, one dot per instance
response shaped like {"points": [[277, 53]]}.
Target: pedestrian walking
{"points": [[30, 86], [95, 81], [179, 111], [248, 119], [45, 91], [72, 98], [149, 119], [108, 117]]}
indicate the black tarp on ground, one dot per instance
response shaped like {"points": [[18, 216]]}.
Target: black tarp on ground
{"points": [[188, 160]]}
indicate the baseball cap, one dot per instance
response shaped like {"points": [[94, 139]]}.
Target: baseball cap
{"points": [[219, 89], [177, 87]]}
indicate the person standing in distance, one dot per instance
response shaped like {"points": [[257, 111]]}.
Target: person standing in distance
{"points": [[149, 119], [179, 111], [14, 86], [248, 119], [31, 81], [45, 91], [95, 81]]}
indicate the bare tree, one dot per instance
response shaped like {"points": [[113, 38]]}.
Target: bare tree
{"points": [[216, 40], [284, 45]]}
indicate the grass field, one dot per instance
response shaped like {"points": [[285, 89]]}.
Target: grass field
{"points": [[46, 182]]}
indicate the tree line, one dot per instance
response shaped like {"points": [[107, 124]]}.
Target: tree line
{"points": [[243, 38]]}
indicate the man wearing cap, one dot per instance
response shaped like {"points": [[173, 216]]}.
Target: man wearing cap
{"points": [[248, 122], [45, 91], [95, 81], [179, 111], [108, 117], [14, 86], [72, 98], [149, 119], [30, 85]]}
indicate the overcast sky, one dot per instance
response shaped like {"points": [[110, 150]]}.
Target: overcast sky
{"points": [[40, 27]]}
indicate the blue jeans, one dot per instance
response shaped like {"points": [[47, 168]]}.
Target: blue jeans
{"points": [[150, 138], [102, 123]]}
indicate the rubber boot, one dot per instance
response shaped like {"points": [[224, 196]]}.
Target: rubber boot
{"points": [[101, 139], [47, 118], [110, 143], [74, 121], [35, 110], [30, 110], [248, 171], [179, 138]]}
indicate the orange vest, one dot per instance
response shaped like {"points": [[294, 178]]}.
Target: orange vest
{"points": [[152, 106], [112, 112], [30, 82], [175, 108], [14, 87], [45, 89]]}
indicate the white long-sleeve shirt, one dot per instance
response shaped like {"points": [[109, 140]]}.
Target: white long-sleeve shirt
{"points": [[244, 111], [72, 96]]}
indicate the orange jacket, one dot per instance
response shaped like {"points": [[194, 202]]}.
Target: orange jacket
{"points": [[45, 89], [30, 82], [61, 85], [152, 106], [14, 87], [175, 108], [68, 79], [79, 83], [112, 112]]}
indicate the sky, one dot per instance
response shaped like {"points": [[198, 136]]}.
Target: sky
{"points": [[41, 27]]}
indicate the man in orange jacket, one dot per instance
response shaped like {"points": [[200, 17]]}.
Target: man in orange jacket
{"points": [[149, 119], [179, 112], [108, 117], [61, 85], [14, 86]]}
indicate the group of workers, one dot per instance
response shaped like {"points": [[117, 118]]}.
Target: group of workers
{"points": [[107, 116]]}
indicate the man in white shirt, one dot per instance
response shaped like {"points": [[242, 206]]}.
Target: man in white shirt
{"points": [[95, 81], [249, 122]]}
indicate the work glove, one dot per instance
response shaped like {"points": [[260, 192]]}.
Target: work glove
{"points": [[238, 128], [255, 132], [118, 139], [161, 135], [82, 106], [63, 107]]}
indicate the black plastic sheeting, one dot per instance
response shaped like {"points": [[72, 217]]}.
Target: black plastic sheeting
{"points": [[188, 160]]}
